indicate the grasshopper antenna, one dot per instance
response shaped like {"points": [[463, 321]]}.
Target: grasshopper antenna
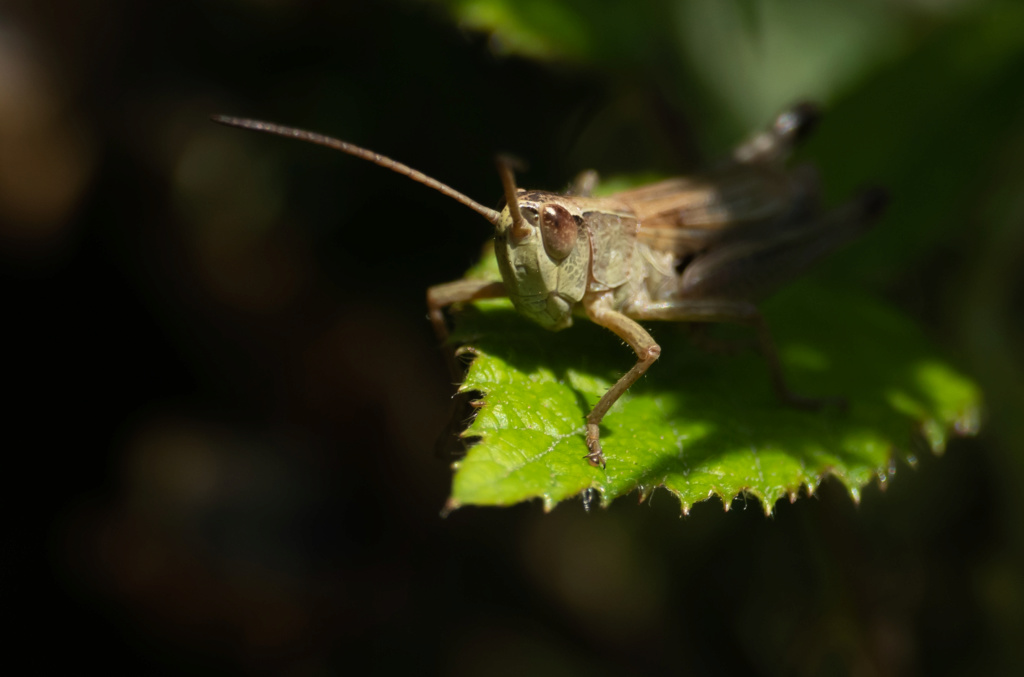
{"points": [[364, 154], [506, 164]]}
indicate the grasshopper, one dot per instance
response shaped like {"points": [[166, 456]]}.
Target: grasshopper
{"points": [[700, 249]]}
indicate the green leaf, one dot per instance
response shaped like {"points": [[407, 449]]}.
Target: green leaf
{"points": [[698, 424], [573, 30]]}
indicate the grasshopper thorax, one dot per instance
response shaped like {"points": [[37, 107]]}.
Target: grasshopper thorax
{"points": [[544, 256]]}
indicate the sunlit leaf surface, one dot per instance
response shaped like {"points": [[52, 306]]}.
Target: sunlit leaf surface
{"points": [[701, 424]]}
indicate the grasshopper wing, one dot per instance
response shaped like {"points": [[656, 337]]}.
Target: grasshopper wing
{"points": [[753, 266], [686, 215]]}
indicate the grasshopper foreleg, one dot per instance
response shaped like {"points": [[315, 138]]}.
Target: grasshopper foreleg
{"points": [[647, 351], [441, 296]]}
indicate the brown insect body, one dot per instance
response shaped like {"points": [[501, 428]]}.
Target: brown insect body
{"points": [[690, 249]]}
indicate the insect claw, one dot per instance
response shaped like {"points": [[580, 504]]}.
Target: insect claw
{"points": [[596, 456]]}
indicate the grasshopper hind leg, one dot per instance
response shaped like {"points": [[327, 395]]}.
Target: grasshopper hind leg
{"points": [[744, 313], [717, 286]]}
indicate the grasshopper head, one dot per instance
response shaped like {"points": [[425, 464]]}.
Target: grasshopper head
{"points": [[543, 253]]}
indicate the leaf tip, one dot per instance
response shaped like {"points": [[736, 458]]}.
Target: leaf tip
{"points": [[587, 496], [450, 506], [855, 494], [882, 479], [968, 423]]}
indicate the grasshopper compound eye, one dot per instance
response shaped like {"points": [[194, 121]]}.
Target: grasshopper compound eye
{"points": [[558, 231]]}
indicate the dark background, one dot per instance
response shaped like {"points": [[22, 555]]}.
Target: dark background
{"points": [[226, 395]]}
